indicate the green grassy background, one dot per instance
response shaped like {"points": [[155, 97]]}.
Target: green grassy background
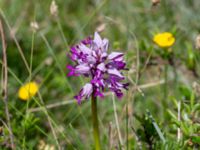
{"points": [[130, 26]]}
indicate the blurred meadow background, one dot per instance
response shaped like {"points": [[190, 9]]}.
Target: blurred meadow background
{"points": [[159, 111]]}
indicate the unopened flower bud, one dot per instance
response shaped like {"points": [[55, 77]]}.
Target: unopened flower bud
{"points": [[197, 42], [155, 2], [54, 8], [34, 26], [101, 27]]}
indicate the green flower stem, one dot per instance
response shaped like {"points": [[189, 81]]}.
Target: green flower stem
{"points": [[167, 57], [95, 123], [166, 81], [165, 91]]}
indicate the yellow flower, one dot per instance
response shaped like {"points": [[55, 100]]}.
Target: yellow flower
{"points": [[28, 90], [164, 39]]}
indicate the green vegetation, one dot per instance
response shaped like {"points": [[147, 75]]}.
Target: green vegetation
{"points": [[159, 111]]}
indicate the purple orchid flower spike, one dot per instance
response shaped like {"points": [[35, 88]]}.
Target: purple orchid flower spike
{"points": [[92, 60]]}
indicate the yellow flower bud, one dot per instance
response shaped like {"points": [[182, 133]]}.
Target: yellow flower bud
{"points": [[28, 90], [164, 39]]}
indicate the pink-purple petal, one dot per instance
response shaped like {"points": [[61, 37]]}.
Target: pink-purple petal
{"points": [[101, 67], [86, 91], [115, 55], [82, 69], [115, 72], [97, 39], [85, 49]]}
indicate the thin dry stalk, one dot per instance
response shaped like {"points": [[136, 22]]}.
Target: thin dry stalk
{"points": [[72, 101], [5, 85], [110, 134], [54, 105], [139, 143], [12, 34], [50, 122], [117, 123]]}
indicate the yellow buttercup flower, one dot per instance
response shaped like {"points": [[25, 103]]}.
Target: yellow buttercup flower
{"points": [[28, 90], [164, 39]]}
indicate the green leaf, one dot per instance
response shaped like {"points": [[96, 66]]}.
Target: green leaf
{"points": [[185, 91], [196, 139], [156, 126], [192, 98], [196, 107], [172, 114]]}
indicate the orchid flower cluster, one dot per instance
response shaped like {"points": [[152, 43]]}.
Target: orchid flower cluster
{"points": [[92, 60]]}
